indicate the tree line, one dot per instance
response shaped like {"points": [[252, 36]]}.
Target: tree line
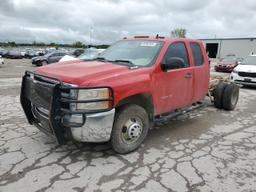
{"points": [[77, 44], [176, 33]]}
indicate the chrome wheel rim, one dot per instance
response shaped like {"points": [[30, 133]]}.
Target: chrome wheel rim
{"points": [[132, 130]]}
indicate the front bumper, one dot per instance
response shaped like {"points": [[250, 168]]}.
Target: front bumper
{"points": [[97, 127], [46, 104], [250, 81]]}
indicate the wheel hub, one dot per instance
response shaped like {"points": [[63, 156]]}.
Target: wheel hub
{"points": [[134, 130]]}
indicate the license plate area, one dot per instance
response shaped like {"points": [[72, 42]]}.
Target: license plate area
{"points": [[40, 100], [39, 93], [247, 80]]}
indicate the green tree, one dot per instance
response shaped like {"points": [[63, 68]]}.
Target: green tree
{"points": [[12, 44], [52, 44], [78, 44], [179, 33]]}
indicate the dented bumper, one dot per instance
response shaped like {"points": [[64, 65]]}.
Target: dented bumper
{"points": [[97, 127]]}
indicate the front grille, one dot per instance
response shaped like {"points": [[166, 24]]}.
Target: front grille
{"points": [[42, 113], [246, 74], [65, 93], [44, 79], [41, 98]]}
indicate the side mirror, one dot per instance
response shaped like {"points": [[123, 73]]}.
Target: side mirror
{"points": [[173, 63]]}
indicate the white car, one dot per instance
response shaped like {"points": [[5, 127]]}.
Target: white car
{"points": [[245, 73], [89, 54], [1, 60], [67, 58]]}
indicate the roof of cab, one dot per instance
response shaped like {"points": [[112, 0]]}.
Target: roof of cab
{"points": [[161, 38]]}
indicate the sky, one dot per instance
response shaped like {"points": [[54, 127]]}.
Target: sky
{"points": [[105, 21]]}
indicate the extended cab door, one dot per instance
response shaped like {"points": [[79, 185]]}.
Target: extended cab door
{"points": [[201, 71], [174, 87]]}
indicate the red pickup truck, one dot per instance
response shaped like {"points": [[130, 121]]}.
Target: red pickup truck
{"points": [[119, 96]]}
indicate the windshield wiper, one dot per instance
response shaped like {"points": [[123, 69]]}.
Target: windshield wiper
{"points": [[130, 64]]}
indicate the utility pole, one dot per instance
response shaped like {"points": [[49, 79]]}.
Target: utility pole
{"points": [[90, 35]]}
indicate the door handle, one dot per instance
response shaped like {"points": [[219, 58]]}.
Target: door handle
{"points": [[188, 75]]}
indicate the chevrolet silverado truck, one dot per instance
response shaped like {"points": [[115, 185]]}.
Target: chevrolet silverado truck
{"points": [[136, 83]]}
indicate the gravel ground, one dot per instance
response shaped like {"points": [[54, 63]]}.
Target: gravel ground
{"points": [[207, 150]]}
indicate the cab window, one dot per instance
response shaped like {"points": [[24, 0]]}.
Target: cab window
{"points": [[177, 50], [197, 54]]}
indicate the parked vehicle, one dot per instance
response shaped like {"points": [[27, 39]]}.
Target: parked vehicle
{"points": [[1, 60], [2, 51], [30, 54], [13, 54], [52, 57], [91, 54], [77, 52], [227, 64], [22, 52], [245, 73], [88, 55], [134, 84]]}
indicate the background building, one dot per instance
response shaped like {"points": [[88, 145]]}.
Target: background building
{"points": [[219, 48]]}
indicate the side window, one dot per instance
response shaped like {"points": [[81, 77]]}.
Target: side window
{"points": [[62, 54], [197, 54], [177, 50]]}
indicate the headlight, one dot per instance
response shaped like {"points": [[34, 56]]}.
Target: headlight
{"points": [[234, 71], [90, 94], [94, 95]]}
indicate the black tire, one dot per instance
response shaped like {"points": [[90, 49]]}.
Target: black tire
{"points": [[218, 95], [120, 129], [230, 96]]}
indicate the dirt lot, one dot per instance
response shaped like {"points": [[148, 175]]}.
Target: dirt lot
{"points": [[208, 150]]}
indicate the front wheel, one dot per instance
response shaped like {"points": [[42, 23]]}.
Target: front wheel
{"points": [[130, 128]]}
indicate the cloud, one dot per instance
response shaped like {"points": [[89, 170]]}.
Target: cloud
{"points": [[105, 21]]}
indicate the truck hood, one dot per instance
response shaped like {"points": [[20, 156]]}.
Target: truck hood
{"points": [[81, 72], [246, 68]]}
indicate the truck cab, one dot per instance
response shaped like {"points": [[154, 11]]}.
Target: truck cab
{"points": [[120, 95]]}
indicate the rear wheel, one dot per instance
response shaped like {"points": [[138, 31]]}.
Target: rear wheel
{"points": [[218, 95], [230, 97], [130, 128]]}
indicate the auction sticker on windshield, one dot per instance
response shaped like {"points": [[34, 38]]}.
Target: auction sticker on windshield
{"points": [[148, 44]]}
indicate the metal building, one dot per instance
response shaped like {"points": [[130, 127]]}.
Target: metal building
{"points": [[219, 48]]}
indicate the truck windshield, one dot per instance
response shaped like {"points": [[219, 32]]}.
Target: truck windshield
{"points": [[132, 52]]}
